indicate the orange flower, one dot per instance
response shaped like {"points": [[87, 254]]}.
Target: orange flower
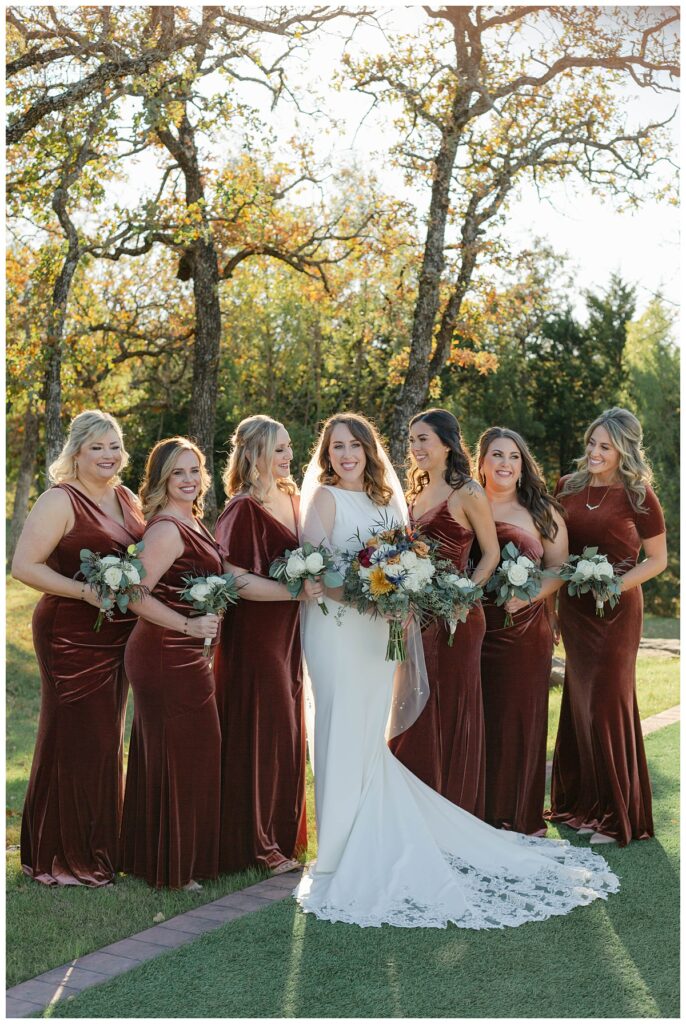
{"points": [[394, 560], [378, 584], [421, 549], [373, 542]]}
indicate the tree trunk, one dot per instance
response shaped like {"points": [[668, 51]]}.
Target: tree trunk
{"points": [[202, 259], [55, 332], [25, 478]]}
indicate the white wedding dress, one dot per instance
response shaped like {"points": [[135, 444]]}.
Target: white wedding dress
{"points": [[391, 850]]}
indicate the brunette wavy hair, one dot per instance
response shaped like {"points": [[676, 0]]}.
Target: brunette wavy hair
{"points": [[532, 492], [626, 434], [458, 468], [88, 426], [254, 437], [374, 482], [161, 461]]}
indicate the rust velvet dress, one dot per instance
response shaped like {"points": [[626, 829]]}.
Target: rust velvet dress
{"points": [[445, 746], [515, 678], [600, 776], [260, 700], [170, 831], [72, 813]]}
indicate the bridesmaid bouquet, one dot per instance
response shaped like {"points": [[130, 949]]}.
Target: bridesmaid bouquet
{"points": [[516, 576], [389, 575], [116, 579], [450, 597], [306, 563], [210, 595], [592, 572]]}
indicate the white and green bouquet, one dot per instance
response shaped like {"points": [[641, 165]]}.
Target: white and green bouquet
{"points": [[450, 597], [116, 579], [592, 573], [210, 595], [516, 576], [306, 563]]}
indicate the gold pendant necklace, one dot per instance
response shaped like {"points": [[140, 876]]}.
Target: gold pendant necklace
{"points": [[592, 508]]}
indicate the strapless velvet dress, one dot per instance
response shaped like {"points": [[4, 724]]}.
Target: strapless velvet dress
{"points": [[72, 812], [445, 746], [170, 831], [600, 776], [515, 680], [260, 700]]}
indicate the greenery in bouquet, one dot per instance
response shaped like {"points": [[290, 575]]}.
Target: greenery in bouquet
{"points": [[210, 595], [388, 576], [593, 573], [450, 597], [516, 576], [116, 579], [308, 562]]}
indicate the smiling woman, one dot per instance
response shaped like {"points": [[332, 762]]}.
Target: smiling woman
{"points": [[72, 812]]}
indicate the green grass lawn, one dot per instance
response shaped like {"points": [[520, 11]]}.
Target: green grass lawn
{"points": [[616, 958], [48, 927]]}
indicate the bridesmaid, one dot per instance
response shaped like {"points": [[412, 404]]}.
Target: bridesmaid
{"points": [[600, 783], [445, 746], [516, 661], [170, 832], [258, 664], [73, 804]]}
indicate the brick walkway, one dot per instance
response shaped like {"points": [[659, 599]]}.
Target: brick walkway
{"points": [[37, 994]]}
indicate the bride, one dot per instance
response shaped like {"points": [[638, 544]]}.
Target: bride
{"points": [[391, 850]]}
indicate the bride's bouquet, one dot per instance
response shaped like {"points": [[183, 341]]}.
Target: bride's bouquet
{"points": [[388, 575], [306, 563], [116, 579], [594, 573], [450, 597], [516, 576], [210, 595]]}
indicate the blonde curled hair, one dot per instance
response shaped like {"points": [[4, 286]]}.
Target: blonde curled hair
{"points": [[158, 468], [375, 484], [255, 437], [87, 426], [626, 434]]}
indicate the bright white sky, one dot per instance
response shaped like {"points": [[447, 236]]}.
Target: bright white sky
{"points": [[642, 246]]}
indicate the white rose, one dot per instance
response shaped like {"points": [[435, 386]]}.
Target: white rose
{"points": [[507, 564], [450, 579], [412, 582], [425, 568], [200, 591], [463, 583], [132, 574], [216, 581], [295, 566], [584, 568], [314, 563], [113, 576], [408, 559], [603, 571], [110, 560], [517, 575], [526, 562]]}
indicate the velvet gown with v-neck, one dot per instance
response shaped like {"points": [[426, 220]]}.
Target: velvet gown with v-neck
{"points": [[72, 812], [260, 701], [170, 830], [445, 746]]}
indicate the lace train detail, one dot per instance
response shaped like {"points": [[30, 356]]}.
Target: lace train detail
{"points": [[573, 878]]}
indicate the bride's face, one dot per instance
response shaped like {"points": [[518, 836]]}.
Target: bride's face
{"points": [[347, 457]]}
